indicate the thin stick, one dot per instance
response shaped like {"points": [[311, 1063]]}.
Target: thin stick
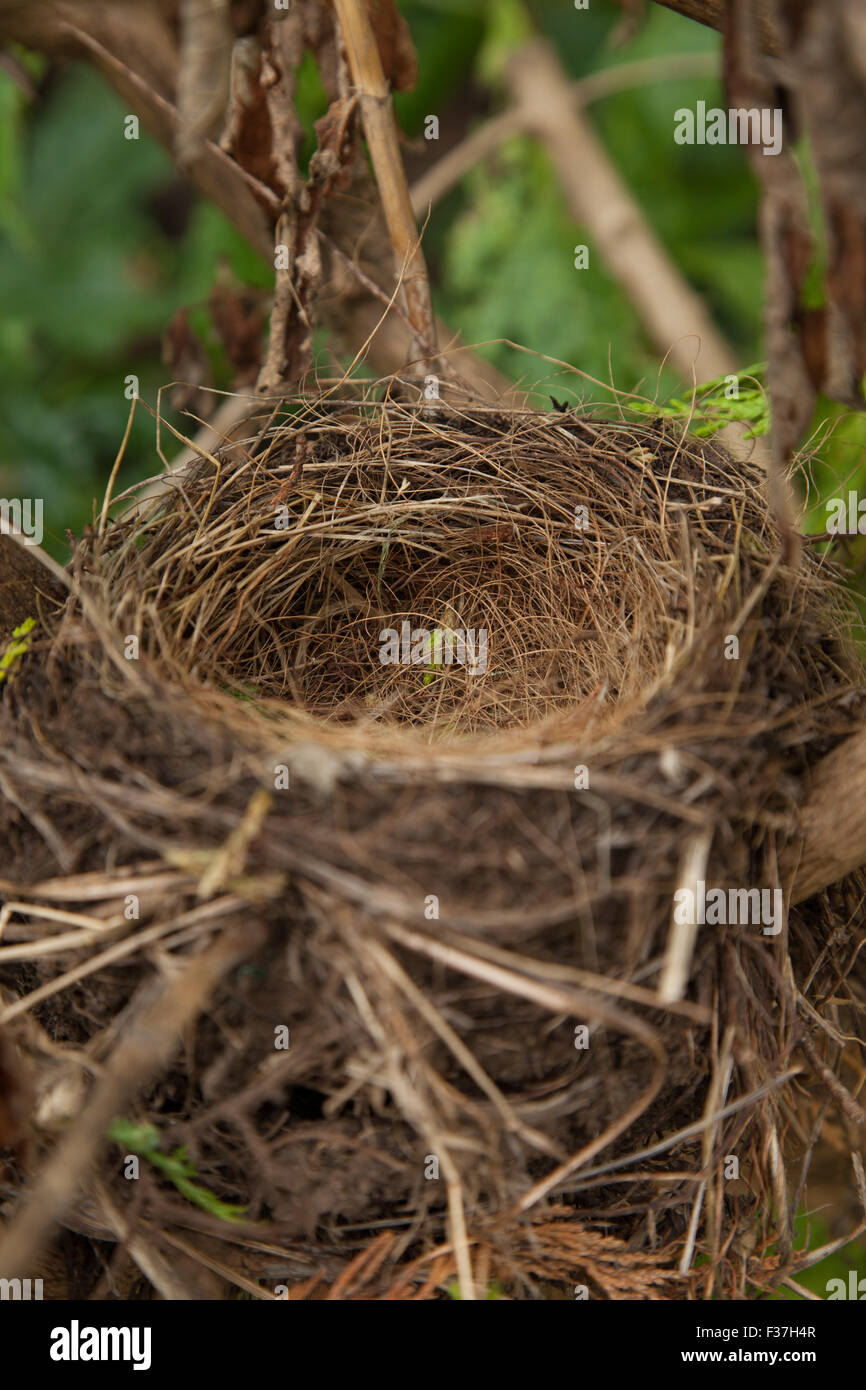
{"points": [[682, 935], [380, 128], [116, 469]]}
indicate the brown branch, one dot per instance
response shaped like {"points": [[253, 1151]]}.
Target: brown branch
{"points": [[215, 174], [51, 26], [479, 144], [673, 315], [206, 55], [487, 137], [712, 14], [833, 823], [380, 128]]}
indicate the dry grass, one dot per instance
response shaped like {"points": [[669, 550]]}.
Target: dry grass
{"points": [[279, 577]]}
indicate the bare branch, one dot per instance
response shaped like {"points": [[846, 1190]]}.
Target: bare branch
{"points": [[712, 13]]}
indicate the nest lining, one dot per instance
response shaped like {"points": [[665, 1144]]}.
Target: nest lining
{"points": [[284, 582], [443, 900]]}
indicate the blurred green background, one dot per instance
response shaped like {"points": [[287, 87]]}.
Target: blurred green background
{"points": [[101, 243]]}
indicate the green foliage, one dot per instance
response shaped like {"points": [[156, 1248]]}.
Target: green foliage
{"points": [[446, 34], [711, 408], [812, 1233], [15, 649], [493, 1293], [701, 203], [176, 1166], [88, 284], [507, 27], [515, 232], [503, 244]]}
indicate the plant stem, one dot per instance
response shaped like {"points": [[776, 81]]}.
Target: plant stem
{"points": [[380, 129]]}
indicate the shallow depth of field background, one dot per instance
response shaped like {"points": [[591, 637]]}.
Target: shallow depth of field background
{"points": [[101, 243]]}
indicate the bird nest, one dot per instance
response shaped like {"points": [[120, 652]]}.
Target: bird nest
{"points": [[355, 790]]}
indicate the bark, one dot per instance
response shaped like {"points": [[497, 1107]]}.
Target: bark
{"points": [[712, 14], [833, 839]]}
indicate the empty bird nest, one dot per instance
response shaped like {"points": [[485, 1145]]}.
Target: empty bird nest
{"points": [[352, 791]]}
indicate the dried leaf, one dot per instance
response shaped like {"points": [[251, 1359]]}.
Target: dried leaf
{"points": [[186, 357], [394, 41], [239, 319]]}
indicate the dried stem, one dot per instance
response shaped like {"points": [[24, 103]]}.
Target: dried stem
{"points": [[380, 128]]}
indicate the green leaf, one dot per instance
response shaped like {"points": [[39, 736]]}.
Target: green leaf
{"points": [[176, 1166], [16, 648], [711, 408]]}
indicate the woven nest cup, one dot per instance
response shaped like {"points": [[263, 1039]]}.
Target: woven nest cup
{"points": [[426, 790]]}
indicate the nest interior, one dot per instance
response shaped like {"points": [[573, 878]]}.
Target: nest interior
{"points": [[446, 879]]}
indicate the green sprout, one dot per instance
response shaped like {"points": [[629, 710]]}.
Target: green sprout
{"points": [[711, 408], [493, 1292], [240, 691], [176, 1166], [436, 661], [383, 560], [16, 649]]}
